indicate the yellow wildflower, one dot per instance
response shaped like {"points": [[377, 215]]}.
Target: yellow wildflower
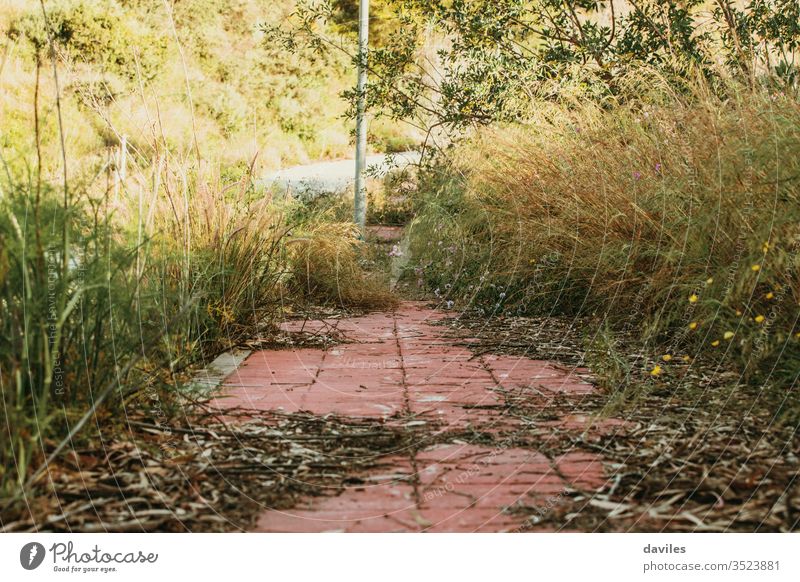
{"points": [[709, 280], [656, 371], [715, 343], [666, 357], [755, 268], [687, 359], [728, 335], [759, 318], [738, 313], [770, 295], [693, 298], [693, 325]]}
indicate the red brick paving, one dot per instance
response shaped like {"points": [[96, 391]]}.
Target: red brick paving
{"points": [[399, 366], [386, 234]]}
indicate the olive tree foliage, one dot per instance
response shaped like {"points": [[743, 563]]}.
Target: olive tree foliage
{"points": [[457, 63]]}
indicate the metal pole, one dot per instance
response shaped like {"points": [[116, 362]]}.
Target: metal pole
{"points": [[361, 121]]}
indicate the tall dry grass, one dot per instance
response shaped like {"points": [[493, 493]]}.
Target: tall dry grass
{"points": [[326, 269], [218, 247], [675, 216]]}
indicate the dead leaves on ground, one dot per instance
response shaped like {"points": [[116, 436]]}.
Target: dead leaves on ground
{"points": [[694, 455], [209, 474]]}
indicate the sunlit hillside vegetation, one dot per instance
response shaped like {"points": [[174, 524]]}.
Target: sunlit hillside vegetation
{"points": [[177, 76]]}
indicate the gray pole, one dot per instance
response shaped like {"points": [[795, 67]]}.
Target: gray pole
{"points": [[361, 121]]}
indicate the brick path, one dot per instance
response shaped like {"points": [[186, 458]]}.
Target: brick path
{"points": [[399, 368]]}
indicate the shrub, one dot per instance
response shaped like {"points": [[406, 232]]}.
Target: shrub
{"points": [[97, 32]]}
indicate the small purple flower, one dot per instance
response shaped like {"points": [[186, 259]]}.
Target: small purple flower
{"points": [[637, 175], [658, 167], [395, 252]]}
